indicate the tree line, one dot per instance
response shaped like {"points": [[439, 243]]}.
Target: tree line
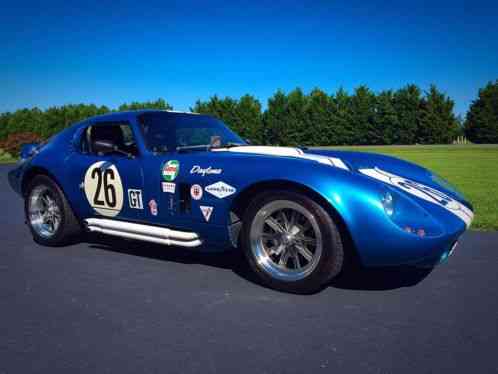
{"points": [[404, 116]]}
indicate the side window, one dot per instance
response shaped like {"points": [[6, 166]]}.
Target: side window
{"points": [[117, 133]]}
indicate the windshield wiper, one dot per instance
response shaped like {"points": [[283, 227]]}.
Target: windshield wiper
{"points": [[230, 145], [207, 147], [185, 148]]}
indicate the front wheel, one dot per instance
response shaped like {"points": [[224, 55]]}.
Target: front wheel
{"points": [[48, 214], [291, 242]]}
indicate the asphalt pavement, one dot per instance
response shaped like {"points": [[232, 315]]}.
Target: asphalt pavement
{"points": [[112, 306]]}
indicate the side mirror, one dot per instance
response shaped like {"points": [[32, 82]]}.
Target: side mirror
{"points": [[27, 150], [103, 146], [248, 141]]}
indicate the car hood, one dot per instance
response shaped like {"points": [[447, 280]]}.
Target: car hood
{"points": [[364, 163], [352, 161]]}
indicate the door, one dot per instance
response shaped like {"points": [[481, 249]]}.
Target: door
{"points": [[109, 184]]}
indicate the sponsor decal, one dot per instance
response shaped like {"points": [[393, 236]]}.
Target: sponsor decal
{"points": [[153, 207], [104, 189], [220, 189], [206, 212], [170, 170], [196, 169], [168, 187], [135, 199], [196, 192]]}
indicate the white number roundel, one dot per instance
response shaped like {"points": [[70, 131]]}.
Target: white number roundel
{"points": [[104, 189]]}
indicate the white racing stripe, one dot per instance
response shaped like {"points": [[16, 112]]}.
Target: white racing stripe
{"points": [[423, 192], [286, 152]]}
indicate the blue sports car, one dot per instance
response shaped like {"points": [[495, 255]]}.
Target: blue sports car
{"points": [[187, 180]]}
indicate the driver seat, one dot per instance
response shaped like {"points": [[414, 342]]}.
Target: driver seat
{"points": [[112, 133]]}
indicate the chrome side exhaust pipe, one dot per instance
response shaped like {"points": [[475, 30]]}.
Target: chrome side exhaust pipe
{"points": [[136, 231]]}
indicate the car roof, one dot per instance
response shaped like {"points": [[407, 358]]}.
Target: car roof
{"points": [[126, 115]]}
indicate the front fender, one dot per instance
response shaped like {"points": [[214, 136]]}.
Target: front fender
{"points": [[378, 240]]}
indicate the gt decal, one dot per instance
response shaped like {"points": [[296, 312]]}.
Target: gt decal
{"points": [[135, 199], [220, 190], [196, 192], [196, 169], [170, 170], [104, 189], [168, 187], [206, 212]]}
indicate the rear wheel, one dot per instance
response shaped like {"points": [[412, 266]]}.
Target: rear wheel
{"points": [[48, 214], [291, 242]]}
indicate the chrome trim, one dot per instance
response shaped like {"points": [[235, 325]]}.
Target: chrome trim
{"points": [[44, 214], [136, 231], [284, 233]]}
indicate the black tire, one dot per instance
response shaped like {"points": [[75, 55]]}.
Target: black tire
{"points": [[332, 257], [69, 228]]}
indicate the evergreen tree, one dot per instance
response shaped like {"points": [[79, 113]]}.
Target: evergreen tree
{"points": [[275, 119], [243, 116], [407, 105], [158, 104], [386, 118], [342, 118], [437, 123], [296, 123], [319, 120], [363, 115], [481, 125]]}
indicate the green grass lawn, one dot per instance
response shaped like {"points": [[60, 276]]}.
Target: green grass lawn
{"points": [[473, 169]]}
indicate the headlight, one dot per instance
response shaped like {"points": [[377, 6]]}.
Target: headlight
{"points": [[409, 216], [388, 203]]}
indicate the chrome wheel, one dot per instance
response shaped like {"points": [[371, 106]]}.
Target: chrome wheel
{"points": [[43, 212], [286, 240]]}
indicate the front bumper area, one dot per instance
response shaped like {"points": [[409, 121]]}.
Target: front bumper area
{"points": [[437, 258]]}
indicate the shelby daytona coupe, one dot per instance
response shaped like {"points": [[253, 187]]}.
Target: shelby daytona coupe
{"points": [[186, 180]]}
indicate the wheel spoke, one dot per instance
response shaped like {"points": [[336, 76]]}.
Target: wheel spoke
{"points": [[294, 230], [297, 261], [305, 252], [285, 221], [306, 240], [305, 227], [284, 258], [44, 216], [45, 201], [268, 236], [56, 220], [293, 219], [278, 250], [275, 225]]}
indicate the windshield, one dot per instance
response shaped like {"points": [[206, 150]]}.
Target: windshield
{"points": [[167, 131]]}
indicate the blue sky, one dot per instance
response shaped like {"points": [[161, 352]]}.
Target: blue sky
{"points": [[54, 53]]}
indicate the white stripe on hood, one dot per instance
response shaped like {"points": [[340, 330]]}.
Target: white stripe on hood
{"points": [[286, 152]]}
